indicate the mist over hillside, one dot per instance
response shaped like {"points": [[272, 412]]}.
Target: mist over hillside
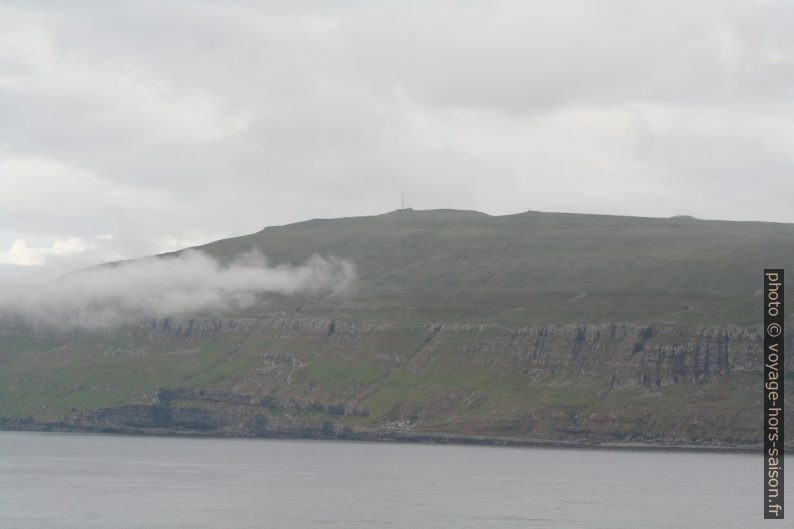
{"points": [[190, 282], [438, 265]]}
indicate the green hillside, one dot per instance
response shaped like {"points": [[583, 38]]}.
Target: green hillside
{"points": [[544, 267], [536, 327]]}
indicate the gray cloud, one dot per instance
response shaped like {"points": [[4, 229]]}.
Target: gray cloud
{"points": [[170, 124], [188, 283]]}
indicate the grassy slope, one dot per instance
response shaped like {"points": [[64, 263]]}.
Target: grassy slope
{"points": [[449, 266], [539, 267]]}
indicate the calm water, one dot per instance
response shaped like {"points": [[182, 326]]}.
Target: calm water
{"points": [[50, 480]]}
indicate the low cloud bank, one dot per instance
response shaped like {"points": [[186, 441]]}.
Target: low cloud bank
{"points": [[159, 287]]}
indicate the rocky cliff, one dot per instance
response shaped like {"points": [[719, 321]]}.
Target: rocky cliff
{"points": [[316, 377]]}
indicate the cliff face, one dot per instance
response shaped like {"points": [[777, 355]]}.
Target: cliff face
{"points": [[630, 354], [587, 383]]}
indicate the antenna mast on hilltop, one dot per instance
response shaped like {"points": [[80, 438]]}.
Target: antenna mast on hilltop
{"points": [[402, 203]]}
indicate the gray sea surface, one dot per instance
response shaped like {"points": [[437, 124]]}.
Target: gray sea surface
{"points": [[54, 480]]}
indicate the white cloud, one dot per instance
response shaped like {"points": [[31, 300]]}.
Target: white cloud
{"points": [[188, 283], [166, 123], [21, 254]]}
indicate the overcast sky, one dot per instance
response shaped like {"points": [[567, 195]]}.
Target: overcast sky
{"points": [[128, 128]]}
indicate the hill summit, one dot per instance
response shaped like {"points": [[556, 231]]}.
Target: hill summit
{"points": [[456, 265]]}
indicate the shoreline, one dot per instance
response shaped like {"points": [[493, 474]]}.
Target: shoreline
{"points": [[390, 437]]}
